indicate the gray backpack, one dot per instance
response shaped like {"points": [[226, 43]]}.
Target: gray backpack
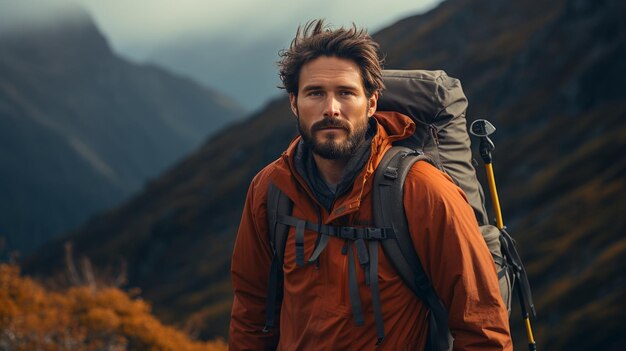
{"points": [[437, 105]]}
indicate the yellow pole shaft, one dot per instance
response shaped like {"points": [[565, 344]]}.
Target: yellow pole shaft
{"points": [[494, 195], [529, 331], [491, 179]]}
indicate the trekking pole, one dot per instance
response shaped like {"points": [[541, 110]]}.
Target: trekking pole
{"points": [[482, 128]]}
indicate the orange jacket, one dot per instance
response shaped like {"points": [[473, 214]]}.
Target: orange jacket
{"points": [[316, 311]]}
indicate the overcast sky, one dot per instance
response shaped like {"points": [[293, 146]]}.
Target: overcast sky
{"points": [[137, 25], [230, 45]]}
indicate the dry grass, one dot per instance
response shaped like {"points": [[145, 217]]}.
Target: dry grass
{"points": [[82, 318]]}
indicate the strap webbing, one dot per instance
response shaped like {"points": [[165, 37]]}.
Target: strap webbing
{"points": [[321, 245], [343, 232], [353, 288], [378, 315], [502, 273], [277, 203], [364, 258], [315, 259], [515, 262], [272, 294], [300, 242]]}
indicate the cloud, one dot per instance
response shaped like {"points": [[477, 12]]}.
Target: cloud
{"points": [[150, 22], [147, 17]]}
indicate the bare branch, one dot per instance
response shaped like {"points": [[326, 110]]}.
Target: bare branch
{"points": [[88, 275], [70, 265]]}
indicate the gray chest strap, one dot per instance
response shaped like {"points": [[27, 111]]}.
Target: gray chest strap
{"points": [[365, 242]]}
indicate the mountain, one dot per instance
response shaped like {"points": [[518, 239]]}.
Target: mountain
{"points": [[81, 128], [211, 60], [547, 74]]}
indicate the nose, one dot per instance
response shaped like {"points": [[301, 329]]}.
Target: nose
{"points": [[332, 106]]}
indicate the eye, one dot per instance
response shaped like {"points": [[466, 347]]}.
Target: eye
{"points": [[346, 93], [314, 93]]}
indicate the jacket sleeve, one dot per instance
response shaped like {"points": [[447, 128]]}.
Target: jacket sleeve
{"points": [[250, 267], [456, 258]]}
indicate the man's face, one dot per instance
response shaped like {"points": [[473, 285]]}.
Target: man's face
{"points": [[332, 107]]}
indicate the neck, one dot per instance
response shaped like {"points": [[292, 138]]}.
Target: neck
{"points": [[330, 170]]}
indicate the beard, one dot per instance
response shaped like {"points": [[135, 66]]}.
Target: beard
{"points": [[329, 147]]}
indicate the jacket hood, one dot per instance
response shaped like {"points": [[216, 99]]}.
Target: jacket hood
{"points": [[397, 125]]}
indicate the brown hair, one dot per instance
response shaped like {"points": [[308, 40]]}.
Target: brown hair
{"points": [[316, 40]]}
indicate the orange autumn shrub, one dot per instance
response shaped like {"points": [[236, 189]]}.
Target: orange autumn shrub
{"points": [[82, 318]]}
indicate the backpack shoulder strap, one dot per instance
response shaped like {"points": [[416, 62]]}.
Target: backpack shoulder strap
{"points": [[389, 212], [277, 204]]}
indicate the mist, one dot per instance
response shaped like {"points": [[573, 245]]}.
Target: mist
{"points": [[231, 46]]}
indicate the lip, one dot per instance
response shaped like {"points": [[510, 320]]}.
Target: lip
{"points": [[330, 128], [336, 131]]}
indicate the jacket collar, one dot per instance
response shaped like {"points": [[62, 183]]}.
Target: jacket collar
{"points": [[305, 165], [392, 126]]}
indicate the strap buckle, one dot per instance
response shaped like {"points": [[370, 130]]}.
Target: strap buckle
{"points": [[348, 233], [375, 233], [391, 172]]}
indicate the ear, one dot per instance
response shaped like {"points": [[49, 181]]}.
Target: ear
{"points": [[293, 99], [373, 100]]}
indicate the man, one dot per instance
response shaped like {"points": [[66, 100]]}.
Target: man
{"points": [[334, 79]]}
